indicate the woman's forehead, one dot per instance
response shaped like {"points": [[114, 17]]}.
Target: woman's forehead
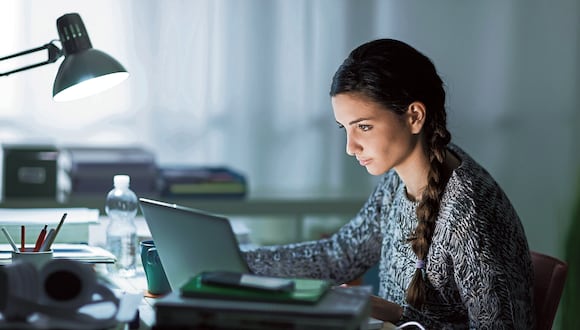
{"points": [[349, 105]]}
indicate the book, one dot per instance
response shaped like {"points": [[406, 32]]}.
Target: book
{"points": [[201, 182], [306, 291], [339, 309]]}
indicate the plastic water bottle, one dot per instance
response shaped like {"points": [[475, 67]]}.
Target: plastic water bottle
{"points": [[121, 208]]}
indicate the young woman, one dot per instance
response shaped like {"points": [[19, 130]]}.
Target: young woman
{"points": [[451, 250]]}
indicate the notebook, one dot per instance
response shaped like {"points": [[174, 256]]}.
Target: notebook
{"points": [[304, 291], [190, 241]]}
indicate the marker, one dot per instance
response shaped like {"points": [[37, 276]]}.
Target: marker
{"points": [[22, 238], [10, 240]]}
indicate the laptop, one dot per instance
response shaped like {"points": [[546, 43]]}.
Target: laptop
{"points": [[190, 241]]}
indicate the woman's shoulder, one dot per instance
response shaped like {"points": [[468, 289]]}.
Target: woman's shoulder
{"points": [[470, 178], [472, 192]]}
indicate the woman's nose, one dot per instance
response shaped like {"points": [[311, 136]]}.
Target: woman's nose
{"points": [[352, 147]]}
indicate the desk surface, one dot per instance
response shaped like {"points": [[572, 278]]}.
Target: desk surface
{"points": [[138, 284]]}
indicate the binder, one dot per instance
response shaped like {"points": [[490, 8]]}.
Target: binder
{"points": [[306, 291]]}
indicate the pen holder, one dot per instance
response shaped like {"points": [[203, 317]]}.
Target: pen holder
{"points": [[38, 259]]}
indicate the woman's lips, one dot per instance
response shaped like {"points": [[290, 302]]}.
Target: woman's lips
{"points": [[363, 161]]}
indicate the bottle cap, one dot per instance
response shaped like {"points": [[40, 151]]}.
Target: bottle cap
{"points": [[121, 180]]}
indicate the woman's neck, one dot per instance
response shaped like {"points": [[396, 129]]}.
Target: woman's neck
{"points": [[415, 172]]}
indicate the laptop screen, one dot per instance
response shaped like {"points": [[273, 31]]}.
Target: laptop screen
{"points": [[190, 241]]}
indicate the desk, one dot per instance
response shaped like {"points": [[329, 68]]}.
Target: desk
{"points": [[138, 284], [146, 310]]}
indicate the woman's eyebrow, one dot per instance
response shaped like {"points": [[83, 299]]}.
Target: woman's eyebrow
{"points": [[355, 121], [358, 120]]}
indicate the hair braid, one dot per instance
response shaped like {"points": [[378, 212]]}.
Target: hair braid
{"points": [[428, 207]]}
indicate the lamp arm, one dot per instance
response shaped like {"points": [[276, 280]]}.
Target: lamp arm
{"points": [[54, 53]]}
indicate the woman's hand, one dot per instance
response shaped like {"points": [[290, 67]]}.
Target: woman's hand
{"points": [[382, 309], [385, 310]]}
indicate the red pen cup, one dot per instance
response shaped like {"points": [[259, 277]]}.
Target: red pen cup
{"points": [[38, 259]]}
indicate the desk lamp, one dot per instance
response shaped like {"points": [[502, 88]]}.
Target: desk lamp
{"points": [[85, 71]]}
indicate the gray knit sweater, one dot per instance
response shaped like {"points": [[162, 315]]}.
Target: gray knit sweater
{"points": [[478, 267]]}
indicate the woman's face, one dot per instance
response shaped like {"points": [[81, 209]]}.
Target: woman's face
{"points": [[379, 138]]}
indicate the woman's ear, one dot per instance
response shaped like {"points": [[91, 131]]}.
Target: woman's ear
{"points": [[416, 113]]}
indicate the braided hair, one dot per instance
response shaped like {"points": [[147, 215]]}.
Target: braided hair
{"points": [[394, 74]]}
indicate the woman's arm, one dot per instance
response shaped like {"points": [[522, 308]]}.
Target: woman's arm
{"points": [[342, 257], [493, 272]]}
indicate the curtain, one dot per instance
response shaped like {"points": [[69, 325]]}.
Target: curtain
{"points": [[237, 83]]}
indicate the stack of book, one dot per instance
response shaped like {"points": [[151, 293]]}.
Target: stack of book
{"points": [[312, 304], [201, 182]]}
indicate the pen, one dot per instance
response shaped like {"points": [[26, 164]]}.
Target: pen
{"points": [[57, 231], [60, 223], [22, 238], [40, 239], [50, 238], [10, 240]]}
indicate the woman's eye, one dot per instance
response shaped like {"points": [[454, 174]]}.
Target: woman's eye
{"points": [[364, 127]]}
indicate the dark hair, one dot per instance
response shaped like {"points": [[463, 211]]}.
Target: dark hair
{"points": [[394, 74]]}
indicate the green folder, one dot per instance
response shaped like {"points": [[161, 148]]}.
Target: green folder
{"points": [[306, 291]]}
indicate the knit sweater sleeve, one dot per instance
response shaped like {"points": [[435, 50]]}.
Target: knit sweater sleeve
{"points": [[342, 257], [493, 265]]}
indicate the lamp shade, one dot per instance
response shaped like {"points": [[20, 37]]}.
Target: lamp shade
{"points": [[84, 71]]}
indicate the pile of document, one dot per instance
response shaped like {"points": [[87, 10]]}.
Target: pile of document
{"points": [[79, 252]]}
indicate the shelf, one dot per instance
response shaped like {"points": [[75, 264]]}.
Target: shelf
{"points": [[298, 207], [276, 208]]}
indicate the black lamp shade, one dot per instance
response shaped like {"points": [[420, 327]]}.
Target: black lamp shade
{"points": [[85, 70], [88, 72]]}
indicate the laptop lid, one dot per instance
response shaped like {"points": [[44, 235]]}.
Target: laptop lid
{"points": [[190, 241]]}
